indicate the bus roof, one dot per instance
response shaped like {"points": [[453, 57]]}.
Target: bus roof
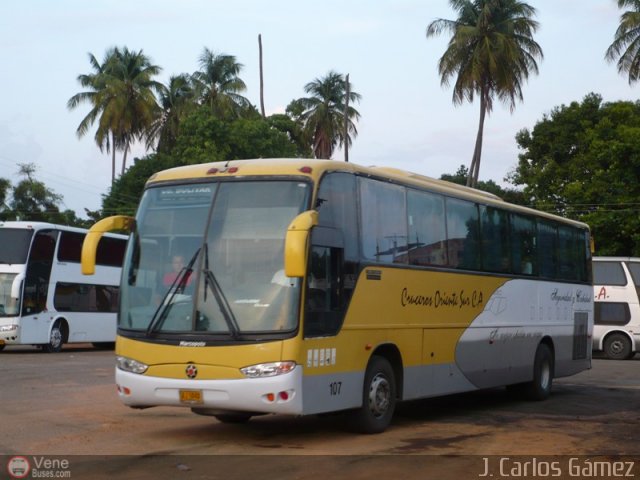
{"points": [[314, 169], [49, 226], [38, 226]]}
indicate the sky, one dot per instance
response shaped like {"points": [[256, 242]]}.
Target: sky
{"points": [[407, 120]]}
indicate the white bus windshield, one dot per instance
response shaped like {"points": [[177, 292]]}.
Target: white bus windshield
{"points": [[208, 259], [9, 305], [15, 245]]}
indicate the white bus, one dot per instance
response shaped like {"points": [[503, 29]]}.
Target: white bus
{"points": [[616, 283], [44, 298]]}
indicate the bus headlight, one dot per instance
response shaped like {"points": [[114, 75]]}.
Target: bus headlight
{"points": [[268, 369], [131, 365], [8, 328]]}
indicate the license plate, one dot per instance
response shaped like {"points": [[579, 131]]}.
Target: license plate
{"points": [[191, 396]]}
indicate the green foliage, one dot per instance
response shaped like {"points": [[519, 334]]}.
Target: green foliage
{"points": [[198, 118], [626, 43], [323, 114], [294, 132], [120, 91], [583, 161], [125, 192], [490, 55], [32, 200], [203, 138], [507, 194], [219, 85], [206, 138]]}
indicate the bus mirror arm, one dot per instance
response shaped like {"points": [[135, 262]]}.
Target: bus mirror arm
{"points": [[16, 286], [297, 242], [90, 244]]}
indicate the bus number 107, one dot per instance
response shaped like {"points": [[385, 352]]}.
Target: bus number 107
{"points": [[334, 388]]}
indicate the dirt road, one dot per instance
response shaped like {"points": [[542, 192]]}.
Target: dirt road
{"points": [[65, 406]]}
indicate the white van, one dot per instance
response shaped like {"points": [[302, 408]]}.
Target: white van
{"points": [[616, 284]]}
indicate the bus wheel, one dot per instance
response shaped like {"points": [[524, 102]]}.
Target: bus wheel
{"points": [[233, 417], [378, 398], [540, 387], [56, 339], [617, 346]]}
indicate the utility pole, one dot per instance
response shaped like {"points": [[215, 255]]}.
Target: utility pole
{"points": [[261, 79], [346, 120]]}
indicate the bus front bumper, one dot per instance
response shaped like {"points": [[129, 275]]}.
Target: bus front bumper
{"points": [[278, 394], [9, 334]]}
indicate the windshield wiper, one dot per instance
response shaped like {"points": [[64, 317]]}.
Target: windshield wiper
{"points": [[176, 286], [221, 299]]}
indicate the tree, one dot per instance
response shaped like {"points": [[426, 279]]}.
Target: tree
{"points": [[5, 190], [582, 161], [507, 194], [32, 200], [177, 100], [324, 113], [96, 95], [121, 93], [626, 44], [490, 54], [203, 138], [219, 86], [294, 131]]}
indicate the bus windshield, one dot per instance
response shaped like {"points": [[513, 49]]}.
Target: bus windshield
{"points": [[15, 245], [9, 305], [208, 259]]}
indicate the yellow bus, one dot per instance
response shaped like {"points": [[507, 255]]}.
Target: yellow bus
{"points": [[299, 287]]}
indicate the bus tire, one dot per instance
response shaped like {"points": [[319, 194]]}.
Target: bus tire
{"points": [[378, 398], [236, 418], [56, 339], [540, 387], [617, 346]]}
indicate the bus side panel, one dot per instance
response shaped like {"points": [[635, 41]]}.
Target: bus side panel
{"points": [[499, 347], [34, 329], [86, 315], [419, 314]]}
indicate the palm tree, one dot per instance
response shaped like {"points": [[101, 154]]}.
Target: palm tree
{"points": [[626, 44], [177, 99], [324, 113], [96, 96], [121, 93], [491, 53], [219, 86]]}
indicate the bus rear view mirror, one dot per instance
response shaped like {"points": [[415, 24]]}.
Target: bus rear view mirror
{"points": [[90, 244], [296, 244]]}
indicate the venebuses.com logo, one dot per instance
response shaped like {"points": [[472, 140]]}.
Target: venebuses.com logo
{"points": [[38, 467]]}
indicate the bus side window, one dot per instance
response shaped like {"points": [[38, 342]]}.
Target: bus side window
{"points": [[634, 269], [523, 245]]}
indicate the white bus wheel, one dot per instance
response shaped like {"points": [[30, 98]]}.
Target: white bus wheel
{"points": [[56, 339], [617, 346]]}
